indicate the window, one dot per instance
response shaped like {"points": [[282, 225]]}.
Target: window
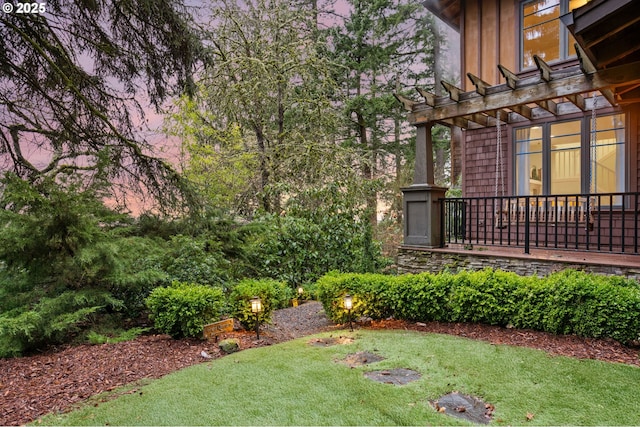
{"points": [[543, 33], [568, 158]]}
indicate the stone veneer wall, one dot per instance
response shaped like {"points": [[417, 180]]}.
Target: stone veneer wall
{"points": [[412, 260]]}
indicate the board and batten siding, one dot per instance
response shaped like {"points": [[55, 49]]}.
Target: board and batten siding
{"points": [[489, 35]]}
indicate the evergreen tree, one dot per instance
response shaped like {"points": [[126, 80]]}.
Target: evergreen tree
{"points": [[384, 46], [71, 89], [268, 99]]}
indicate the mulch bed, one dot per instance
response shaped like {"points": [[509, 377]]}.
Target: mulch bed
{"points": [[54, 381]]}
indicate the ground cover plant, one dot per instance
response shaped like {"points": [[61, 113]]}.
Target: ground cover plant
{"points": [[567, 302], [296, 383]]}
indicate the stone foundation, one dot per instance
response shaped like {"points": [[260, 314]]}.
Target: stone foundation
{"points": [[419, 260]]}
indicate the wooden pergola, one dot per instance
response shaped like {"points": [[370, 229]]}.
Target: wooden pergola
{"points": [[548, 94]]}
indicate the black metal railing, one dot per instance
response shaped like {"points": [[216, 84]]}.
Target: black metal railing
{"points": [[584, 222]]}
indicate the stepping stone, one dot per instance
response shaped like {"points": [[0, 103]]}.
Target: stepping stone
{"points": [[328, 342], [398, 376], [361, 358], [464, 406]]}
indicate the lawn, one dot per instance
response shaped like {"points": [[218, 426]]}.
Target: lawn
{"points": [[296, 383]]}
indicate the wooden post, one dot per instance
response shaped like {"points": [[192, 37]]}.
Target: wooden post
{"points": [[421, 206], [424, 172]]}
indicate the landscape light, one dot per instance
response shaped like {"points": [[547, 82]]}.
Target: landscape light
{"points": [[256, 308], [348, 304]]}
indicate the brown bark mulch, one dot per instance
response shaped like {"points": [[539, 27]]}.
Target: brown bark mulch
{"points": [[54, 381]]}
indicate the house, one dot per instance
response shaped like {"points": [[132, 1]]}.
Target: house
{"points": [[547, 123]]}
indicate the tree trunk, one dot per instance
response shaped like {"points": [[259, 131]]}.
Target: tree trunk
{"points": [[264, 169]]}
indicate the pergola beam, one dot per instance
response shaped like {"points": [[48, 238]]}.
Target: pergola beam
{"points": [[510, 76], [577, 100], [406, 102], [481, 85], [429, 98], [587, 67], [543, 67], [523, 110], [454, 92], [505, 97], [549, 106]]}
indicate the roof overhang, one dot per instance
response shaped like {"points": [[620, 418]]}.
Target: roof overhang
{"points": [[446, 10], [608, 33]]}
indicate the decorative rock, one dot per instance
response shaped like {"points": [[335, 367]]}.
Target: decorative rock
{"points": [[230, 345]]}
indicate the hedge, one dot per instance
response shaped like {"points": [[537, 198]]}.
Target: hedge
{"points": [[182, 309], [273, 293], [567, 302]]}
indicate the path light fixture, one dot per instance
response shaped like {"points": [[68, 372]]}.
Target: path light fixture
{"points": [[348, 305], [300, 292], [256, 308]]}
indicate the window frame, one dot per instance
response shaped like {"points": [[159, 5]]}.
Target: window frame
{"points": [[585, 151], [563, 41]]}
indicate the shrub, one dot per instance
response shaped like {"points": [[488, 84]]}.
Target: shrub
{"points": [[422, 297], [600, 306], [182, 309], [301, 246], [368, 291], [195, 260], [485, 296], [569, 302], [51, 320], [274, 294]]}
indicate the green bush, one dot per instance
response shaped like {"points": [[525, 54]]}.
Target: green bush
{"points": [[182, 309], [485, 296], [368, 292], [569, 302], [274, 295], [307, 242], [52, 320], [423, 297]]}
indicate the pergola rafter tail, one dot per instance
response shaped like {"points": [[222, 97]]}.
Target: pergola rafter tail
{"points": [[527, 99]]}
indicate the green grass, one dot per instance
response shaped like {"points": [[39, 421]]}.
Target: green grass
{"points": [[295, 383]]}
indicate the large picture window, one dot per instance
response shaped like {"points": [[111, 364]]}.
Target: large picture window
{"points": [[543, 33], [569, 158]]}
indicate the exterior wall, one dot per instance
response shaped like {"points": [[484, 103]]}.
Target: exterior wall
{"points": [[479, 152], [634, 147], [420, 260], [489, 38]]}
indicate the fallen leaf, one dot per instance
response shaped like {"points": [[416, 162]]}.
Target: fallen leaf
{"points": [[529, 416]]}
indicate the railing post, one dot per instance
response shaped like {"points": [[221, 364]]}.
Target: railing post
{"points": [[527, 232], [443, 212]]}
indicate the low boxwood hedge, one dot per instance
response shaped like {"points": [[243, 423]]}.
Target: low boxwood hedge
{"points": [[273, 293], [182, 309], [567, 302]]}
